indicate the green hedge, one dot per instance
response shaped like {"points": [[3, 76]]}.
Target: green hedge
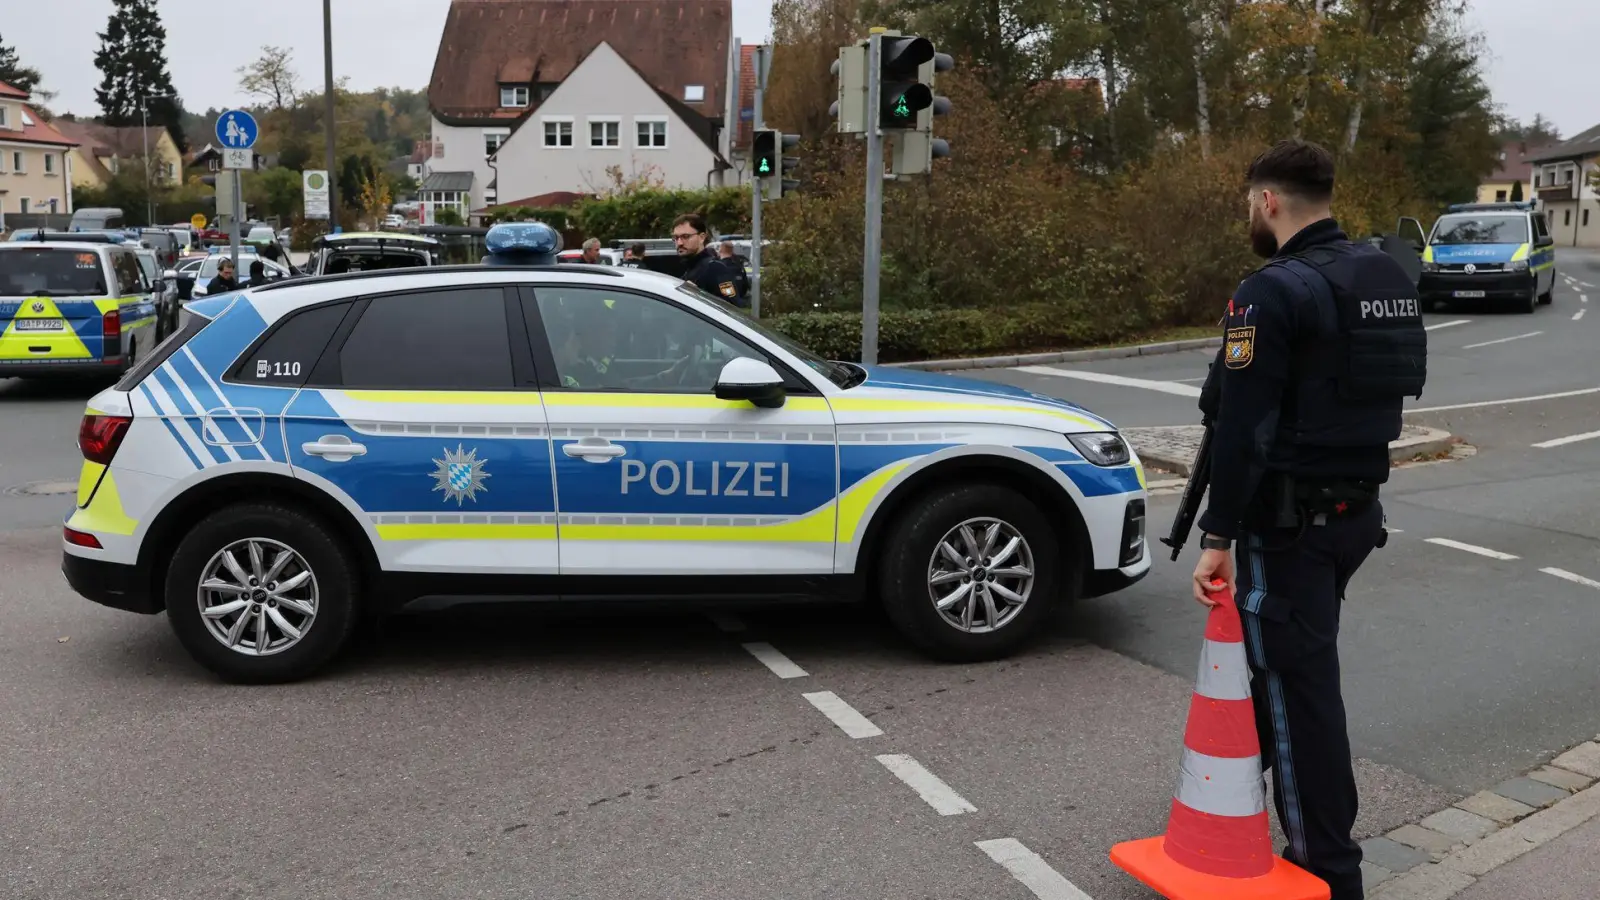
{"points": [[916, 334], [649, 213]]}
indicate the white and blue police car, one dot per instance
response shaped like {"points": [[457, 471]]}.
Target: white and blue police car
{"points": [[304, 453]]}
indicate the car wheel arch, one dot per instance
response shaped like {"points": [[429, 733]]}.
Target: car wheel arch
{"points": [[205, 497], [966, 468]]}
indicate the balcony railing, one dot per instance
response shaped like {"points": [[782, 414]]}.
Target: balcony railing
{"points": [[1567, 191]]}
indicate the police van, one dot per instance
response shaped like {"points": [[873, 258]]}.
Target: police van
{"points": [[306, 452], [73, 307], [1498, 253]]}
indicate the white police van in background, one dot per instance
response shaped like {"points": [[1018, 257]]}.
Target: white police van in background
{"points": [[304, 452]]}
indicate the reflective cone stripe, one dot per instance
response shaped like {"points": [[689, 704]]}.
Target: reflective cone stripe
{"points": [[1218, 823]]}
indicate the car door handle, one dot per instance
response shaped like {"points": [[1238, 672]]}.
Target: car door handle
{"points": [[334, 448], [595, 450]]}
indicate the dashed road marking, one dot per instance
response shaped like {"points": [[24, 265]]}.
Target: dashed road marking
{"points": [[1393, 530], [1029, 868], [927, 785], [1504, 340], [1569, 439], [1577, 393], [1447, 324], [1579, 314], [1572, 577], [1165, 387], [727, 623], [1471, 548], [1583, 298], [843, 715], [781, 665]]}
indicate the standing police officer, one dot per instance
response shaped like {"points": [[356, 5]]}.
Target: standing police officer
{"points": [[705, 270], [1321, 345]]}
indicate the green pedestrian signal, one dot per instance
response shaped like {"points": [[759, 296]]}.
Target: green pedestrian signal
{"points": [[902, 109], [770, 166], [764, 167]]}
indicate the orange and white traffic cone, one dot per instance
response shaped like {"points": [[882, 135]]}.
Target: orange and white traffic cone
{"points": [[1218, 845]]}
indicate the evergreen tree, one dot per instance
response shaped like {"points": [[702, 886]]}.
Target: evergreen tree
{"points": [[14, 73], [133, 60]]}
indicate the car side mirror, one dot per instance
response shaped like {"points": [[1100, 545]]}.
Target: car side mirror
{"points": [[753, 380], [170, 274]]}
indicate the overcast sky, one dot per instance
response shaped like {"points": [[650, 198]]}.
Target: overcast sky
{"points": [[1538, 47]]}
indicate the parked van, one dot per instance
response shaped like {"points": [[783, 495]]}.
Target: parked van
{"points": [[95, 218]]}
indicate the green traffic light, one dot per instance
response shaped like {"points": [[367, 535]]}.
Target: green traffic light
{"points": [[764, 167], [901, 108]]}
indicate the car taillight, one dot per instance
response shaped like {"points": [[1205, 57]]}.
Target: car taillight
{"points": [[80, 538], [99, 437], [111, 336]]}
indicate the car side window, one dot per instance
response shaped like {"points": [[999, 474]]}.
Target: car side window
{"points": [[454, 339], [130, 278], [289, 353], [1540, 232], [616, 341]]}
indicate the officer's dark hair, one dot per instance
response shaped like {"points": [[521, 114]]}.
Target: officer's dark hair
{"points": [[693, 220], [638, 249], [1300, 169]]}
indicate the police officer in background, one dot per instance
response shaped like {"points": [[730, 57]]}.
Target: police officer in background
{"points": [[1321, 345], [705, 270]]}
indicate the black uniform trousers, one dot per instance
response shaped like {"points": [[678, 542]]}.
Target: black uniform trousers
{"points": [[1290, 593]]}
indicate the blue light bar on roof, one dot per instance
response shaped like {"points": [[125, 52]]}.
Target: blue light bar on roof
{"points": [[525, 243]]}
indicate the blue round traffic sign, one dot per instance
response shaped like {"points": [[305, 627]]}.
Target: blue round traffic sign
{"points": [[237, 130]]}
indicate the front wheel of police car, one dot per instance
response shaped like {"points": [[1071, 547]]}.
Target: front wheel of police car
{"points": [[261, 594], [971, 571]]}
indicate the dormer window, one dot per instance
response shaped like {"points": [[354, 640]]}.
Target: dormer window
{"points": [[514, 95], [694, 93]]}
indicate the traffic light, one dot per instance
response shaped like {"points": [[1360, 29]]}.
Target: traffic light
{"points": [[916, 148], [851, 106], [901, 92], [770, 166]]}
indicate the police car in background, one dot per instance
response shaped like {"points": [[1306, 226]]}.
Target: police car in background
{"points": [[305, 452], [1499, 253], [73, 307]]}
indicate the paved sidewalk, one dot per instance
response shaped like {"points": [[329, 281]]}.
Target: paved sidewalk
{"points": [[1567, 868], [1173, 448]]}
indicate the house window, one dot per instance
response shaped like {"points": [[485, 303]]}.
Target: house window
{"points": [[53, 207], [172, 171], [493, 140], [25, 202], [514, 95], [557, 132], [694, 93], [1566, 217], [1585, 218], [651, 133], [1536, 179], [16, 163], [3, 122], [605, 133], [1499, 196], [49, 163]]}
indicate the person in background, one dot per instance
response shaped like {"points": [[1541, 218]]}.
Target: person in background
{"points": [[258, 273], [705, 271], [633, 257], [591, 251], [741, 268]]}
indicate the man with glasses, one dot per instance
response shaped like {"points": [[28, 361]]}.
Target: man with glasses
{"points": [[706, 271]]}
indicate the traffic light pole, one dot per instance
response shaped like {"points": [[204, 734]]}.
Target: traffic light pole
{"points": [[756, 124], [873, 255]]}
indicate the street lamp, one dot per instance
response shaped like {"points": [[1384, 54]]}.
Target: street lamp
{"points": [[144, 133]]}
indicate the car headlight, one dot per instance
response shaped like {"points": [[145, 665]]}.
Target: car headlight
{"points": [[1519, 265], [1430, 267], [1105, 448]]}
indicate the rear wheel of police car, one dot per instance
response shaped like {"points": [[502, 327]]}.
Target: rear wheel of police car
{"points": [[262, 593], [971, 573]]}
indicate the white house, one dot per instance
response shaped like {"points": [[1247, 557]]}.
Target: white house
{"points": [[1563, 182], [605, 116], [639, 84]]}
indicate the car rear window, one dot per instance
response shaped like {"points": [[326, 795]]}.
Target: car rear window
{"points": [[51, 272]]}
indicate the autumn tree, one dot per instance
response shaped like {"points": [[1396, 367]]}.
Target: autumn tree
{"points": [[271, 77]]}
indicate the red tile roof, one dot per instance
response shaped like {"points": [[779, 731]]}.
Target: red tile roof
{"points": [[1514, 164], [13, 93], [38, 132], [674, 43]]}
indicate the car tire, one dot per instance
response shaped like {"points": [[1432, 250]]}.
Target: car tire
{"points": [[330, 590], [913, 559], [1527, 305], [1548, 297]]}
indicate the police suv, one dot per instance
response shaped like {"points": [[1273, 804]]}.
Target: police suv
{"points": [[305, 452], [1500, 253]]}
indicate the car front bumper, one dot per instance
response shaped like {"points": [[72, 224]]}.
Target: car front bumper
{"points": [[1492, 285]]}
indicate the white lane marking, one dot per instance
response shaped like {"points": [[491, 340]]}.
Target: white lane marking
{"points": [[1446, 324], [780, 665], [1569, 439], [1165, 387], [1503, 340], [1579, 314], [843, 715], [728, 624], [1572, 577], [1029, 868], [1471, 548], [1188, 380], [1583, 298], [1393, 530], [1578, 393], [927, 785], [1584, 284]]}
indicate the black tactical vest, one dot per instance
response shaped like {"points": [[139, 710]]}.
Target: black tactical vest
{"points": [[1369, 353]]}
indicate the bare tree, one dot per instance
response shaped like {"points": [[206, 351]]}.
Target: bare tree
{"points": [[271, 77], [1308, 68]]}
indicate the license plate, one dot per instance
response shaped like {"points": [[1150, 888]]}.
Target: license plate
{"points": [[38, 324], [1469, 294]]}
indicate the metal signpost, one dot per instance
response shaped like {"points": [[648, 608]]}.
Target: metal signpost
{"points": [[757, 183], [874, 244], [236, 134]]}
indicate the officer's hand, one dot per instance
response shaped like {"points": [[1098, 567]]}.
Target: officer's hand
{"points": [[1212, 575]]}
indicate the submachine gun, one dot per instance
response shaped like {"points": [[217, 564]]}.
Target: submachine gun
{"points": [[1193, 493]]}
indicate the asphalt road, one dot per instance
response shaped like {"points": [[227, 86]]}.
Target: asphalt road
{"points": [[554, 753]]}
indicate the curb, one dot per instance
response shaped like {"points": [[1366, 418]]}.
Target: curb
{"points": [[1064, 356], [1447, 852], [1430, 442]]}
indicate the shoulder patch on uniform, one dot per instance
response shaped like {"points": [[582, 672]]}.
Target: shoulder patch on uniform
{"points": [[1239, 347], [727, 289]]}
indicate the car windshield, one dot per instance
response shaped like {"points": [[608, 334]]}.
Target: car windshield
{"points": [[1501, 229], [368, 258], [147, 262], [51, 272], [840, 374]]}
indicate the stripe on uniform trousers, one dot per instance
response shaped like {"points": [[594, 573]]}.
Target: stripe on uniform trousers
{"points": [[1283, 767]]}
